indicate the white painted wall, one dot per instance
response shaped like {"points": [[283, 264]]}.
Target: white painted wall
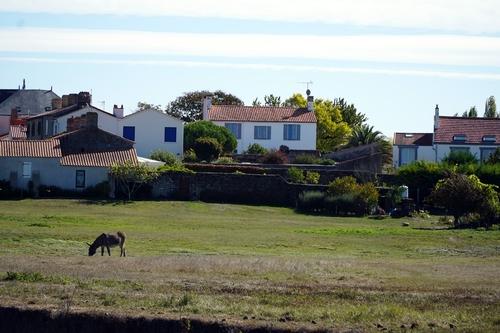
{"points": [[105, 121], [150, 132], [51, 172], [424, 153], [307, 136], [444, 149]]}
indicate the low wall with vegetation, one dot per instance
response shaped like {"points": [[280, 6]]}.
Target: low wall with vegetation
{"points": [[45, 321], [231, 188]]}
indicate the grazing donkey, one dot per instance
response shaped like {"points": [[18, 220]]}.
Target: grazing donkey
{"points": [[107, 241]]}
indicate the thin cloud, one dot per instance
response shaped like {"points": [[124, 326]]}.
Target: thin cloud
{"points": [[469, 16], [422, 49], [266, 67]]}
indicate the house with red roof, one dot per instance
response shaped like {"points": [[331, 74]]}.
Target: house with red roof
{"points": [[75, 160], [479, 136], [268, 126]]}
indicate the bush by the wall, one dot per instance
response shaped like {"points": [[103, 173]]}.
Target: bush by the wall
{"points": [[189, 156], [312, 177], [224, 160], [296, 175], [342, 185], [311, 202], [306, 159], [203, 128], [255, 148], [207, 149], [274, 157], [165, 156], [459, 157]]}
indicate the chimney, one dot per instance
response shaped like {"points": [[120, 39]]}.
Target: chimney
{"points": [[13, 116], [118, 111], [436, 117], [310, 101], [73, 123], [91, 120], [56, 103], [84, 98], [207, 104], [24, 84]]}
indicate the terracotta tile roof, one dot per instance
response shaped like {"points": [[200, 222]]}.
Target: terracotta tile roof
{"points": [[18, 132], [474, 128], [30, 148], [85, 147], [260, 114], [413, 139]]}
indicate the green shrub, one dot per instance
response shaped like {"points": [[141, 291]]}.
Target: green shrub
{"points": [[207, 129], [179, 168], [342, 185], [296, 175], [226, 168], [224, 160], [165, 156], [255, 148], [274, 157], [207, 149], [306, 159], [460, 157], [463, 195], [312, 177], [24, 277], [189, 156], [343, 204], [311, 202], [326, 161], [495, 157]]}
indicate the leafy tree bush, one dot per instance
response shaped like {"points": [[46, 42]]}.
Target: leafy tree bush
{"points": [[296, 175], [306, 159], [274, 157], [189, 156], [165, 156], [207, 149], [460, 157], [255, 148], [463, 195], [421, 176], [342, 185], [247, 169], [199, 129], [224, 160], [495, 157], [179, 168], [311, 202], [312, 177], [131, 176]]}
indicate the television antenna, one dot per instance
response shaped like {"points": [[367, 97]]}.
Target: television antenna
{"points": [[307, 83]]}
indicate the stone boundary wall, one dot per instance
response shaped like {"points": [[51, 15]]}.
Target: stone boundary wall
{"points": [[230, 188], [44, 321]]}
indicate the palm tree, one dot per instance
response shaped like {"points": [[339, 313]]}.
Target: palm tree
{"points": [[365, 135]]}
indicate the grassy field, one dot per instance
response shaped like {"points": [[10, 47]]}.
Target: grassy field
{"points": [[250, 264]]}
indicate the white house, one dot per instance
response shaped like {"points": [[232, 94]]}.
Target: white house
{"points": [[270, 127], [149, 129], [479, 136], [70, 161]]}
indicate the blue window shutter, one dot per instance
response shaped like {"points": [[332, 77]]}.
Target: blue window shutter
{"points": [[170, 134], [129, 132]]}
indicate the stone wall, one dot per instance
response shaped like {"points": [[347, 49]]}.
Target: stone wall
{"points": [[230, 188]]}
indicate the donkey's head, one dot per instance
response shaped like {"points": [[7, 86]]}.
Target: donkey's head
{"points": [[92, 249]]}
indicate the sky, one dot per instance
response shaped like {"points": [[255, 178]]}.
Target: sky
{"points": [[394, 59]]}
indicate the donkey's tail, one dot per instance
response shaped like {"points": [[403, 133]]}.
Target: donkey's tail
{"points": [[122, 236]]}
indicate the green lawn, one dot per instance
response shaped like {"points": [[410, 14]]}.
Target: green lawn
{"points": [[255, 264]]}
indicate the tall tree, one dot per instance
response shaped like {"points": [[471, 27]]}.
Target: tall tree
{"points": [[365, 135], [141, 106], [271, 100], [189, 106], [490, 108], [349, 113], [296, 101], [332, 131], [472, 113]]}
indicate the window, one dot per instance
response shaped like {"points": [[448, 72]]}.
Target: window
{"points": [[235, 128], [39, 128], [26, 169], [407, 155], [486, 153], [291, 132], [170, 134], [80, 178], [489, 138], [129, 132], [460, 137], [262, 132]]}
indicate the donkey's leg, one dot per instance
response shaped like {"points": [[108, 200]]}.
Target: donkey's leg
{"points": [[102, 251], [109, 252]]}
